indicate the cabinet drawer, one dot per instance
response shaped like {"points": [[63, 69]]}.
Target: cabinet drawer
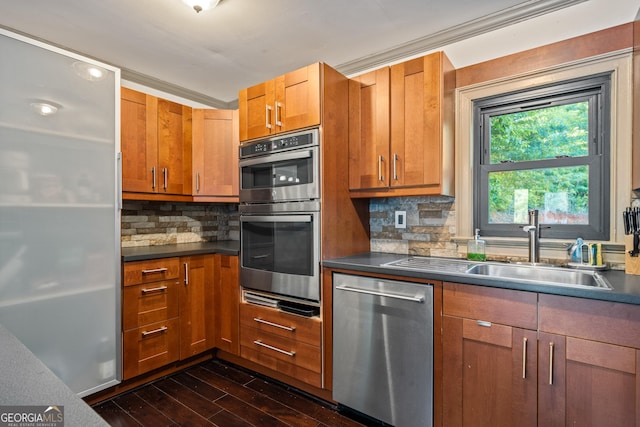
{"points": [[504, 306], [296, 359], [609, 322], [150, 347], [302, 329], [155, 270], [149, 303]]}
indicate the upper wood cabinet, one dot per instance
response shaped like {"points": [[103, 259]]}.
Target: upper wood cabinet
{"points": [[156, 146], [417, 120], [288, 102], [215, 155], [369, 130]]}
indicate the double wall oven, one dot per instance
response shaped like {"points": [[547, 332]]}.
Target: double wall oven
{"points": [[280, 216]]}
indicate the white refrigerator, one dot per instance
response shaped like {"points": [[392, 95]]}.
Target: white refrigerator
{"points": [[60, 210]]}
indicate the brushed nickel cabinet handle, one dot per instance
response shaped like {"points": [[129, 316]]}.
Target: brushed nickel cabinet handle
{"points": [[155, 270], [395, 169], [155, 331], [153, 177], [158, 289], [380, 175], [483, 323], [277, 108], [270, 347], [186, 273], [524, 357], [275, 325], [197, 182], [267, 123], [165, 173], [550, 363]]}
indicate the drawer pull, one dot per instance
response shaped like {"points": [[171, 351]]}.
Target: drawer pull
{"points": [[550, 363], [155, 331], [524, 358], [158, 289], [275, 325], [270, 347], [483, 323], [155, 270]]}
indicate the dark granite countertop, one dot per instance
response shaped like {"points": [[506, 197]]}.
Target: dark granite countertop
{"points": [[626, 287], [25, 380], [142, 253]]}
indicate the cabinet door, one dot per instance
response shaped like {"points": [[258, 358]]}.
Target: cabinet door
{"points": [[196, 305], [587, 383], [227, 303], [297, 99], [174, 148], [490, 373], [256, 110], [416, 122], [215, 153], [369, 130], [138, 136]]}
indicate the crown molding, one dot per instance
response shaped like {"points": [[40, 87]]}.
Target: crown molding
{"points": [[161, 85], [475, 27]]}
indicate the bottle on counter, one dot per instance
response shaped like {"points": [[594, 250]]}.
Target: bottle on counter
{"points": [[476, 248]]}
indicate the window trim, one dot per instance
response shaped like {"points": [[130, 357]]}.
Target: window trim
{"points": [[596, 90], [619, 63]]}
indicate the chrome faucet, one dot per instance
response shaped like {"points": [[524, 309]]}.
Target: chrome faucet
{"points": [[534, 236]]}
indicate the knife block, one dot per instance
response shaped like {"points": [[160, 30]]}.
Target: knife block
{"points": [[631, 264]]}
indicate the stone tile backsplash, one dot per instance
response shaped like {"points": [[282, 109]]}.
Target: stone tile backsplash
{"points": [[150, 223], [431, 224]]}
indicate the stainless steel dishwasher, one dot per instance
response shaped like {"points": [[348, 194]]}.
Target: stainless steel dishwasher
{"points": [[383, 349]]}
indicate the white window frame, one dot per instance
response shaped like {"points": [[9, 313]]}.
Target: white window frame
{"points": [[620, 65]]}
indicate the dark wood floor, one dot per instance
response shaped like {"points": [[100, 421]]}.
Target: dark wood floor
{"points": [[219, 394]]}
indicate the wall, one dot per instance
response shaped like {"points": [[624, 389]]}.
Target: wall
{"points": [[431, 223], [147, 223]]}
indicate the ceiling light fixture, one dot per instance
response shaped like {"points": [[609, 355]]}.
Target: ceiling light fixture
{"points": [[44, 108], [200, 5]]}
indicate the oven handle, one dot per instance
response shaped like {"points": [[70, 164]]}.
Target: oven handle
{"points": [[276, 218], [290, 155]]}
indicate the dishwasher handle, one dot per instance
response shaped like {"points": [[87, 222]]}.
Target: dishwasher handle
{"points": [[418, 299]]}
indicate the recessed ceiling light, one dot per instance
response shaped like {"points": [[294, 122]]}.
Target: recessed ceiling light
{"points": [[200, 5], [88, 71], [44, 108]]}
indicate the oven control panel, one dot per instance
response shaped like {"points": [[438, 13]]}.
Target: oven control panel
{"points": [[265, 146]]}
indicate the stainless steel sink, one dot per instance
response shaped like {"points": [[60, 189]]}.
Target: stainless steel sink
{"points": [[556, 276]]}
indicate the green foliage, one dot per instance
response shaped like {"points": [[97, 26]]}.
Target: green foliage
{"points": [[534, 135]]}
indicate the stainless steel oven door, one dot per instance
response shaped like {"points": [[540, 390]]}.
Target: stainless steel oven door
{"points": [[280, 177], [280, 253]]}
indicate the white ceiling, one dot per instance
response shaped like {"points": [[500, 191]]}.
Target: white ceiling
{"points": [[211, 55]]}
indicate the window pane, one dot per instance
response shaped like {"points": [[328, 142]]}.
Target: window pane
{"points": [[561, 195], [544, 133]]}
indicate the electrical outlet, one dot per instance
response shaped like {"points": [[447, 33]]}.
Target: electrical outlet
{"points": [[401, 219]]}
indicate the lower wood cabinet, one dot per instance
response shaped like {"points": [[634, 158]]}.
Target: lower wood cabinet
{"points": [[589, 359], [227, 303], [490, 352], [527, 359], [175, 308], [284, 342], [197, 314], [150, 323]]}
